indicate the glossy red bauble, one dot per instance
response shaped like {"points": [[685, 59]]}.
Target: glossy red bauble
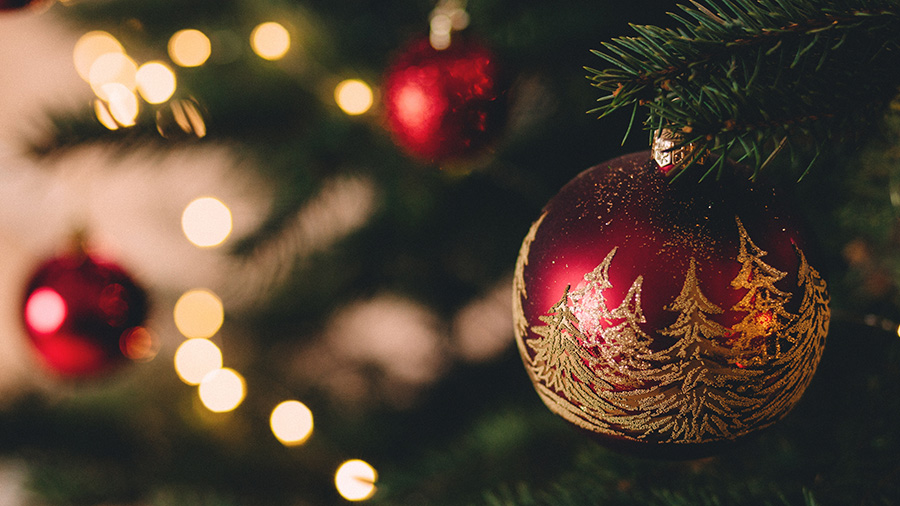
{"points": [[12, 5], [79, 312], [444, 105], [666, 317]]}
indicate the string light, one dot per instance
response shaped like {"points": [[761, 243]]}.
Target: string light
{"points": [[189, 48], [353, 96], [122, 102], [196, 358], [355, 480], [199, 313], [222, 390], [291, 422], [112, 68], [91, 46], [206, 222], [155, 82], [270, 40]]}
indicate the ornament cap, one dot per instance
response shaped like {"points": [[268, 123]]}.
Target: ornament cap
{"points": [[670, 151]]}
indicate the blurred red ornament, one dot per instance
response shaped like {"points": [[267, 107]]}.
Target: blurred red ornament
{"points": [[11, 5], [667, 317], [444, 105], [84, 315]]}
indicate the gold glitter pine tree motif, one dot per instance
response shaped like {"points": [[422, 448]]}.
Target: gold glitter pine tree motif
{"points": [[805, 342], [755, 339], [686, 399]]}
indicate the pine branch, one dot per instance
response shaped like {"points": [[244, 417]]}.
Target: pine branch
{"points": [[759, 78]]}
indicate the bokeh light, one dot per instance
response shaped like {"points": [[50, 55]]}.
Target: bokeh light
{"points": [[270, 40], [103, 114], [189, 48], [206, 222], [112, 68], [222, 390], [45, 311], [199, 313], [91, 46], [122, 102], [155, 82], [180, 118], [353, 96], [355, 480], [196, 358], [291, 422], [139, 344]]}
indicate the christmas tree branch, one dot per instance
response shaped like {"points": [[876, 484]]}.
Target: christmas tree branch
{"points": [[759, 77]]}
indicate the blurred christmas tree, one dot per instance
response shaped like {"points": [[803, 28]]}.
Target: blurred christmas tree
{"points": [[364, 265]]}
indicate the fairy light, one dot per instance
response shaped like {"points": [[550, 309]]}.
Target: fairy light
{"points": [[123, 103], [222, 390], [155, 82], [104, 116], [199, 313], [291, 422], [112, 68], [353, 96], [195, 358], [355, 480], [189, 48], [91, 46], [206, 222], [270, 40]]}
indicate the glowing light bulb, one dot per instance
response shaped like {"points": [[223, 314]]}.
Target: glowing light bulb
{"points": [[189, 48], [270, 40], [355, 480], [103, 114], [291, 422], [196, 358], [353, 96], [112, 68], [199, 313], [45, 311], [155, 82], [91, 46], [206, 222], [122, 102], [222, 390]]}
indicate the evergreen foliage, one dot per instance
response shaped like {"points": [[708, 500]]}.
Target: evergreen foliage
{"points": [[753, 78]]}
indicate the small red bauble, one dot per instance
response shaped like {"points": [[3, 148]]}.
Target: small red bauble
{"points": [[444, 105], [11, 5], [667, 318], [79, 311]]}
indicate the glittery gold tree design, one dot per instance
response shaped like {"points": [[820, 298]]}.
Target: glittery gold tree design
{"points": [[565, 363], [614, 334], [805, 342], [685, 397], [755, 339]]}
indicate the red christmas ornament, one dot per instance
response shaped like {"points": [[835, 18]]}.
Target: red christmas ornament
{"points": [[444, 105], [12, 5], [667, 318], [83, 315]]}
